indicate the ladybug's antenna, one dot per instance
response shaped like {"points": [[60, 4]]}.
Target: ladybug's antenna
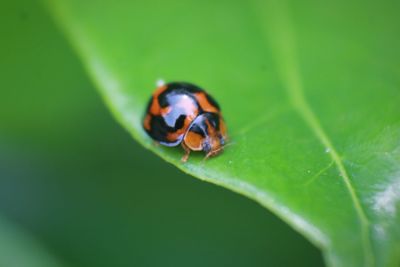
{"points": [[215, 152]]}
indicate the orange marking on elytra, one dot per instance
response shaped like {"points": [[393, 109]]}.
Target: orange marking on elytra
{"points": [[155, 108], [159, 90], [172, 137], [146, 122], [178, 133], [205, 104], [165, 111]]}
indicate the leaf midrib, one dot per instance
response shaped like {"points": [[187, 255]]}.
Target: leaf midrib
{"points": [[289, 71], [285, 53]]}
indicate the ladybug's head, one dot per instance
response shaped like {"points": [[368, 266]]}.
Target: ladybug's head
{"points": [[207, 133]]}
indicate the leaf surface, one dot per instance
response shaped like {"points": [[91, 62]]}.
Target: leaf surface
{"points": [[310, 92]]}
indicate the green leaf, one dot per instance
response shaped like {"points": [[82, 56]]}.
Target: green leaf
{"points": [[310, 91]]}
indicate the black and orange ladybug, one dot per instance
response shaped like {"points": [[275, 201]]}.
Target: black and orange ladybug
{"points": [[183, 113]]}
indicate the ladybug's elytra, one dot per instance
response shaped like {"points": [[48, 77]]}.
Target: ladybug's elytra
{"points": [[183, 113]]}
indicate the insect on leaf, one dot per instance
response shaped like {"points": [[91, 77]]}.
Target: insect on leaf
{"points": [[310, 92]]}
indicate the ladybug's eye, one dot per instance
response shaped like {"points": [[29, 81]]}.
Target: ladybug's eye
{"points": [[206, 146], [221, 140]]}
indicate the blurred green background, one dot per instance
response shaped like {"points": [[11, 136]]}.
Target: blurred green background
{"points": [[77, 183]]}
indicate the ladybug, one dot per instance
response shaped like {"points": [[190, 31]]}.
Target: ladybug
{"points": [[183, 113]]}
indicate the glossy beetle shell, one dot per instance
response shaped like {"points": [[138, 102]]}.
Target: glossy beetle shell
{"points": [[183, 113]]}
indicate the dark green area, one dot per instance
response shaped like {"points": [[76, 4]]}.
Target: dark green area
{"points": [[74, 179]]}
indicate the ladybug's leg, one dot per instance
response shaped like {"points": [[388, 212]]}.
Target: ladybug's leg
{"points": [[187, 152]]}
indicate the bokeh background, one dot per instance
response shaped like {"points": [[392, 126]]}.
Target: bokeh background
{"points": [[74, 184]]}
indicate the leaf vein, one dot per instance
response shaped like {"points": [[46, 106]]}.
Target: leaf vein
{"points": [[261, 120], [283, 43], [319, 173]]}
